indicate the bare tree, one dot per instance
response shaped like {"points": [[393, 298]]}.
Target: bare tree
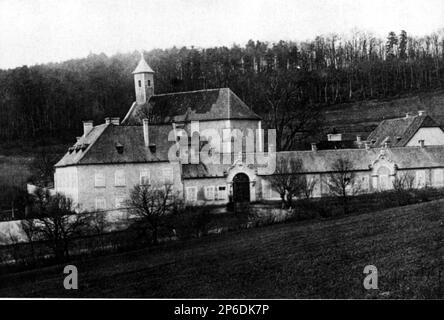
{"points": [[151, 207], [402, 185], [54, 220], [292, 117], [341, 181], [403, 182], [43, 166], [307, 187], [288, 180], [31, 233]]}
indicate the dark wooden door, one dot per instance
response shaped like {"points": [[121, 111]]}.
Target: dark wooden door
{"points": [[241, 188]]}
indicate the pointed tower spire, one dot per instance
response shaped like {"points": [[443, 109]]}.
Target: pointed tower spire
{"points": [[143, 81]]}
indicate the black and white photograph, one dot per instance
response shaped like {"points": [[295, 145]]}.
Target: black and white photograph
{"points": [[207, 150]]}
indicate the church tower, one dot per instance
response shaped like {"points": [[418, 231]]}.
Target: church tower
{"points": [[143, 81]]}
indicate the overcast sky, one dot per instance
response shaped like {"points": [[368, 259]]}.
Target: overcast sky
{"points": [[39, 31]]}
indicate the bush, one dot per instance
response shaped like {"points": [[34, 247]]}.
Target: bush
{"points": [[191, 222]]}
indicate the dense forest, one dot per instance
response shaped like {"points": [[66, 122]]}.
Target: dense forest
{"points": [[285, 82]]}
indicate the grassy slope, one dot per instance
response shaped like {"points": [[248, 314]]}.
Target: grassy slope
{"points": [[362, 117], [309, 260]]}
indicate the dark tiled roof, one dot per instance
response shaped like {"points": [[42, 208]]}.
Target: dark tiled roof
{"points": [[102, 141], [323, 160], [404, 157], [190, 171], [343, 144], [214, 104], [400, 130]]}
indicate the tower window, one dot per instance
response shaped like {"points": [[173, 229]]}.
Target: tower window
{"points": [[149, 83], [140, 83]]}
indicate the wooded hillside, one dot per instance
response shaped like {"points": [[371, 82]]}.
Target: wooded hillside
{"points": [[277, 80]]}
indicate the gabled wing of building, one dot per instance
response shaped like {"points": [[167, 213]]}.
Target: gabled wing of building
{"points": [[399, 131], [322, 161], [103, 143], [201, 105]]}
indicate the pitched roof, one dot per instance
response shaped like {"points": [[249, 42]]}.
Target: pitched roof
{"points": [[201, 105], [99, 146], [143, 67], [322, 161], [399, 131], [403, 157], [201, 170]]}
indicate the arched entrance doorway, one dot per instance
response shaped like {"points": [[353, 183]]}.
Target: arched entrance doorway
{"points": [[241, 188]]}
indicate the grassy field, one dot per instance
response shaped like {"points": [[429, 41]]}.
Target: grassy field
{"points": [[293, 260]]}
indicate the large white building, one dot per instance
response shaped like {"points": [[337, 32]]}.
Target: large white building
{"points": [[100, 169]]}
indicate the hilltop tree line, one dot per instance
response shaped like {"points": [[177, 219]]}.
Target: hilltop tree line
{"points": [[285, 82]]}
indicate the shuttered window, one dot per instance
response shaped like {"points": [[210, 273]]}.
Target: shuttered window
{"points": [[119, 178], [144, 177], [99, 180], [209, 192], [191, 194], [100, 204]]}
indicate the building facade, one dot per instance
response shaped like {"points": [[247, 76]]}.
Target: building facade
{"points": [[109, 159]]}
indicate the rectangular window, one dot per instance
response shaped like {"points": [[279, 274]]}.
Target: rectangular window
{"points": [[140, 83], [144, 177], [420, 179], [328, 183], [191, 193], [221, 193], [99, 180], [100, 204], [209, 192], [364, 183], [167, 175], [120, 202], [438, 177], [119, 178], [266, 189]]}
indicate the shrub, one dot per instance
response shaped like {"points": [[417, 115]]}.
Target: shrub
{"points": [[191, 222]]}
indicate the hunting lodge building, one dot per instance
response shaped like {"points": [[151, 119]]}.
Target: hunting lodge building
{"points": [[101, 168]]}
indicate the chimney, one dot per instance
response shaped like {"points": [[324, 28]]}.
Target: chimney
{"points": [[334, 137], [314, 147], [146, 137], [421, 143], [107, 120], [367, 145], [421, 113], [358, 139], [115, 121], [87, 127]]}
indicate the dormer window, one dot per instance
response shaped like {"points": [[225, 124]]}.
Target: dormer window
{"points": [[119, 148]]}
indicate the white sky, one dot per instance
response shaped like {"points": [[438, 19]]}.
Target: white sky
{"points": [[39, 31]]}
